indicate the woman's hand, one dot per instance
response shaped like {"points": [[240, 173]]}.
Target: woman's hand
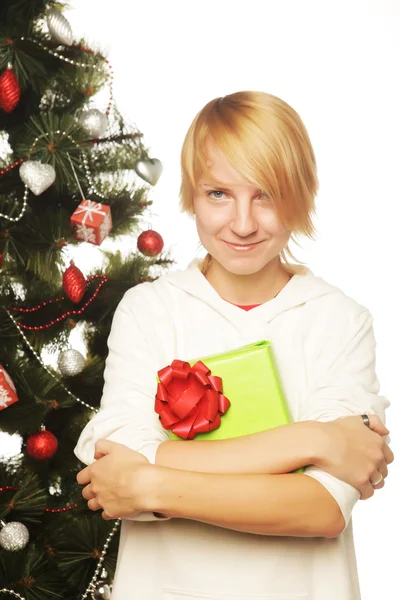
{"points": [[116, 481], [355, 453]]}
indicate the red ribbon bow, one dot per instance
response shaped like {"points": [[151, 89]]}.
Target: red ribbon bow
{"points": [[189, 399]]}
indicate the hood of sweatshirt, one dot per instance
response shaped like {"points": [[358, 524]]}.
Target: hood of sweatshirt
{"points": [[300, 289]]}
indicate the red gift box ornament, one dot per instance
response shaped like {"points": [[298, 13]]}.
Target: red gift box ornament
{"points": [[189, 400], [91, 222], [8, 393]]}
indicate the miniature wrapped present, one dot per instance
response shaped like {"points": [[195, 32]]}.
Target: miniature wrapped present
{"points": [[91, 222], [8, 393], [222, 396]]}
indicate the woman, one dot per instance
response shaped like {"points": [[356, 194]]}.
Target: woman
{"points": [[228, 518]]}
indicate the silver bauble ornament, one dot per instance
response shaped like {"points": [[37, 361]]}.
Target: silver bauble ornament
{"points": [[95, 122], [36, 176], [59, 28], [14, 536], [102, 590], [150, 170], [70, 362]]}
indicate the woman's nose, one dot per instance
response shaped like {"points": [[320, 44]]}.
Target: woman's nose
{"points": [[244, 222]]}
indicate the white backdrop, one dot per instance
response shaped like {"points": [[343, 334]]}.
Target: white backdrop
{"points": [[337, 64]]}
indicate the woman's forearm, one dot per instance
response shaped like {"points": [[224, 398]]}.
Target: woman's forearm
{"points": [[279, 450], [293, 504]]}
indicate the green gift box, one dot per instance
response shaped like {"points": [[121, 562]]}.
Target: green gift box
{"points": [[251, 383]]}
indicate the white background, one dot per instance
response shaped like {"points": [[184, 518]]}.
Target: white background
{"points": [[337, 64]]}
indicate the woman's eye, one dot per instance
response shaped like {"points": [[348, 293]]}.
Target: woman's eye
{"points": [[265, 198], [215, 192], [262, 195]]}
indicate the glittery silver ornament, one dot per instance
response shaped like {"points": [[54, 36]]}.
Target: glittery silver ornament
{"points": [[102, 590], [59, 28], [36, 176], [149, 170], [95, 122], [14, 536], [70, 362]]}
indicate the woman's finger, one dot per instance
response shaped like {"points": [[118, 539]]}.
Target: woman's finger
{"points": [[389, 456], [382, 468], [87, 492], [377, 480], [93, 504], [375, 424], [366, 490]]}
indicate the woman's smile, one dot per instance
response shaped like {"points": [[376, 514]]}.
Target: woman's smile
{"points": [[243, 247]]}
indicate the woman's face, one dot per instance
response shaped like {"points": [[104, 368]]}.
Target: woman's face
{"points": [[236, 222]]}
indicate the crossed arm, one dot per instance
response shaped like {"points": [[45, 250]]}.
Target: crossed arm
{"points": [[245, 484], [293, 504], [242, 484]]}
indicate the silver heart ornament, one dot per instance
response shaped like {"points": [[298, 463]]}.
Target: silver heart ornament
{"points": [[36, 176], [150, 170]]}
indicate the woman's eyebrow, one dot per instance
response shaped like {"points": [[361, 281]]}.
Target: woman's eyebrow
{"points": [[217, 184]]}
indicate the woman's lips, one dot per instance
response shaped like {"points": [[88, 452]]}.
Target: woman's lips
{"points": [[242, 247]]}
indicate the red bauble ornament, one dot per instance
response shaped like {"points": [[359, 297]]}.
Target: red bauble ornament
{"points": [[10, 90], [150, 243], [74, 283], [42, 445], [1, 259]]}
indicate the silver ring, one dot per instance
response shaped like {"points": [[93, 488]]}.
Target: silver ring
{"points": [[366, 422], [375, 483]]}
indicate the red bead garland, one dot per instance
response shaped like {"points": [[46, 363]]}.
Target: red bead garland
{"points": [[47, 509], [12, 166], [8, 487], [29, 310], [103, 278], [63, 509]]}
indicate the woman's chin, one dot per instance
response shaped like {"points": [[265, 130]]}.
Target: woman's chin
{"points": [[242, 266]]}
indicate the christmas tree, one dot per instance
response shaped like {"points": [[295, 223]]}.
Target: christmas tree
{"points": [[65, 161]]}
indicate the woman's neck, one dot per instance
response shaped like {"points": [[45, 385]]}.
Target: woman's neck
{"points": [[256, 288]]}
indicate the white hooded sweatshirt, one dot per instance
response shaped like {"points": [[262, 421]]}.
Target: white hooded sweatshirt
{"points": [[324, 347]]}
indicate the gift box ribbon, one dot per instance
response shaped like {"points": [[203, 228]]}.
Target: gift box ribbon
{"points": [[189, 400], [89, 208]]}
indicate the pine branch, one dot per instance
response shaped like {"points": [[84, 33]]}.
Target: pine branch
{"points": [[31, 575], [79, 549], [25, 500], [119, 138]]}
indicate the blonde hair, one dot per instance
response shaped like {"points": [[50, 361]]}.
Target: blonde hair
{"points": [[266, 141]]}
